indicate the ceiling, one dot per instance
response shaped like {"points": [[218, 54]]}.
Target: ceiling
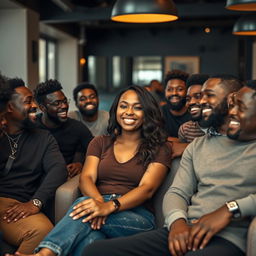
{"points": [[70, 15]]}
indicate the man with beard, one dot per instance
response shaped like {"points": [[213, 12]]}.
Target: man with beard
{"points": [[87, 102], [31, 169], [175, 111], [209, 204], [191, 129], [72, 136]]}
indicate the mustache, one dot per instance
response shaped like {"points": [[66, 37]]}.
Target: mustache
{"points": [[62, 110], [174, 96], [32, 110], [205, 106], [194, 105], [92, 103]]}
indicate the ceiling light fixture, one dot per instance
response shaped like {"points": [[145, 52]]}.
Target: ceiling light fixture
{"points": [[144, 11], [245, 26], [241, 5]]}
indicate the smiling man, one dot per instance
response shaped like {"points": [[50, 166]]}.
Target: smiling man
{"points": [[31, 169], [175, 111], [87, 102], [191, 129], [72, 136], [242, 113]]}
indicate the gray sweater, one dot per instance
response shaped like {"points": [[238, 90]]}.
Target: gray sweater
{"points": [[214, 170]]}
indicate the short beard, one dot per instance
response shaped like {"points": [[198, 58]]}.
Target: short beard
{"points": [[88, 113], [196, 118], [28, 124], [177, 106], [234, 136], [56, 120], [217, 118]]}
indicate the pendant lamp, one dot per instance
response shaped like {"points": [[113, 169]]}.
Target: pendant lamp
{"points": [[245, 26], [241, 5], [144, 11]]}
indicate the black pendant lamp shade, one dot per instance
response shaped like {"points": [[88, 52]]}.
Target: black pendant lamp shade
{"points": [[144, 11], [245, 26], [241, 5]]}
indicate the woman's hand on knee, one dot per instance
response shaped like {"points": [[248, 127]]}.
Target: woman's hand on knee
{"points": [[97, 222], [92, 208]]}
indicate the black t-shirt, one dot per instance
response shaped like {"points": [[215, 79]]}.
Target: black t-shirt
{"points": [[38, 169], [72, 137], [172, 122]]}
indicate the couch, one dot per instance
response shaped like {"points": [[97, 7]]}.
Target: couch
{"points": [[69, 191]]}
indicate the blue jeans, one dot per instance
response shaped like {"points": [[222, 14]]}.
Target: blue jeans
{"points": [[72, 236]]}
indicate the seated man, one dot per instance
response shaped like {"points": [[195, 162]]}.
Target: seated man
{"points": [[175, 111], [191, 129], [186, 132], [87, 102], [72, 136], [208, 207], [31, 169]]}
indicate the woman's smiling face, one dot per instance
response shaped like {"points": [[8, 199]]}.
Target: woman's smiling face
{"points": [[129, 114]]}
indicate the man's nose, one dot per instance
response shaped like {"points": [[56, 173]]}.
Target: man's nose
{"points": [[203, 100]]}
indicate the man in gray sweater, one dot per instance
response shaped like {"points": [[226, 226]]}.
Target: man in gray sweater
{"points": [[208, 207]]}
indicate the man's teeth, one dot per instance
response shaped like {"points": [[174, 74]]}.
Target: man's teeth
{"points": [[90, 106], [207, 110], [62, 114], [194, 109], [236, 123]]}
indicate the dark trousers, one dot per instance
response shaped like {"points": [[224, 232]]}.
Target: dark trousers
{"points": [[155, 243]]}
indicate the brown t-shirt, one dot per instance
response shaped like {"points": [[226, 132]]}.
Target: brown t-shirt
{"points": [[120, 178]]}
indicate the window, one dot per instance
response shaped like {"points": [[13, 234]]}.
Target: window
{"points": [[47, 59], [146, 68]]}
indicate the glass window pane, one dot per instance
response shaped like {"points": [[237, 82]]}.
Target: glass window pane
{"points": [[92, 69], [42, 60], [51, 60], [146, 68], [116, 71]]}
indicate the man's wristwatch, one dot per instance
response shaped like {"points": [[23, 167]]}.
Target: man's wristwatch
{"points": [[116, 204], [234, 209], [37, 203]]}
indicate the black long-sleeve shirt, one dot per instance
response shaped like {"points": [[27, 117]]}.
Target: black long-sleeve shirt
{"points": [[37, 171], [73, 138], [172, 122]]}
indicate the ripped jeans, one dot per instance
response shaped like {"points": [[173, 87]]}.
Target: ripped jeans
{"points": [[72, 236]]}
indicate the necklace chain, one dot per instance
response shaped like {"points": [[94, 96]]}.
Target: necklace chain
{"points": [[13, 142]]}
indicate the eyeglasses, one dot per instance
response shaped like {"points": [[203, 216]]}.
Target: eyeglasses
{"points": [[58, 103]]}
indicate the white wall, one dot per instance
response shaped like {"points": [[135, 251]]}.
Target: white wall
{"points": [[18, 27], [67, 60], [68, 66]]}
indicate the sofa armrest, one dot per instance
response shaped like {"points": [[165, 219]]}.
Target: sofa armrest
{"points": [[251, 239], [158, 198], [65, 196]]}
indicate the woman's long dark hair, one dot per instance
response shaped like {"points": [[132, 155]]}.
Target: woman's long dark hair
{"points": [[152, 133]]}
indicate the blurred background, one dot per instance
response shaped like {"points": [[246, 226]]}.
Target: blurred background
{"points": [[75, 41]]}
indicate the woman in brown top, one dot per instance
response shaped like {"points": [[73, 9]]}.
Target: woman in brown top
{"points": [[121, 173]]}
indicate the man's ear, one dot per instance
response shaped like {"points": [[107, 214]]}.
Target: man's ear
{"points": [[10, 107], [42, 108]]}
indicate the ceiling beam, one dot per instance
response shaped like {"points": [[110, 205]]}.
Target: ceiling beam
{"points": [[202, 10]]}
